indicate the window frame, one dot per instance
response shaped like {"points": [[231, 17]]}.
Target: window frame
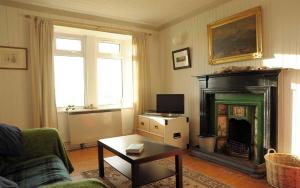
{"points": [[91, 43], [120, 56], [107, 41], [72, 53]]}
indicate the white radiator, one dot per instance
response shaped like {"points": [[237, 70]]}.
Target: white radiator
{"points": [[85, 128]]}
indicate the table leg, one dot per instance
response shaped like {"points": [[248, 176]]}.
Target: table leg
{"points": [[178, 166], [100, 160], [134, 175]]}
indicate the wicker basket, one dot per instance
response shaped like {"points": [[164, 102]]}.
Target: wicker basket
{"points": [[283, 170]]}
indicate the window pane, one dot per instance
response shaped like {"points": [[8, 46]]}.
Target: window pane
{"points": [[68, 44], [69, 81], [109, 81], [109, 48]]}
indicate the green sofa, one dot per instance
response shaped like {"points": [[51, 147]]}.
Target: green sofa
{"points": [[43, 162]]}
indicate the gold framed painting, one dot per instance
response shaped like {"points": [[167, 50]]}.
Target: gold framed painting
{"points": [[236, 38]]}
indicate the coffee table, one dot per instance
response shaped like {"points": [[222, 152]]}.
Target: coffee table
{"points": [[138, 167]]}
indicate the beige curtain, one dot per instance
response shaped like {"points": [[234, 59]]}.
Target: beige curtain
{"points": [[141, 74], [41, 61]]}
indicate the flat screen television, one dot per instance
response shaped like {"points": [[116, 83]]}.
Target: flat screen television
{"points": [[170, 103]]}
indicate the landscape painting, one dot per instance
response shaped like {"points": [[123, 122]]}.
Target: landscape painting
{"points": [[235, 38], [181, 58]]}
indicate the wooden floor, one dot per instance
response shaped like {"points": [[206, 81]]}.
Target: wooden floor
{"points": [[87, 159]]}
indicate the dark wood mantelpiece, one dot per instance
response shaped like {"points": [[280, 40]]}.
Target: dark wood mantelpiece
{"points": [[263, 82], [258, 81], [246, 72], [232, 79]]}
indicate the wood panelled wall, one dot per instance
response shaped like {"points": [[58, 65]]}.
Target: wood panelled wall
{"points": [[15, 85], [281, 47]]}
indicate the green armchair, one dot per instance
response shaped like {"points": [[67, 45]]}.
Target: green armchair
{"points": [[43, 162]]}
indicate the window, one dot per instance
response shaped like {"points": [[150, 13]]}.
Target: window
{"points": [[93, 69], [68, 44], [109, 81], [69, 72], [109, 48], [109, 74]]}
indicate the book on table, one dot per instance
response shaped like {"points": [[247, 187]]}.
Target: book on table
{"points": [[135, 148]]}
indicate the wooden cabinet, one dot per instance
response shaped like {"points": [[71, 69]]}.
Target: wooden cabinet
{"points": [[156, 128], [168, 130], [143, 124]]}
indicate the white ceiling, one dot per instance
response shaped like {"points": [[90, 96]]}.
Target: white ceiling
{"points": [[154, 13]]}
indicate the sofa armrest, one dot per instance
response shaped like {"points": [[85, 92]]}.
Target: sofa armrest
{"points": [[90, 183], [42, 142]]}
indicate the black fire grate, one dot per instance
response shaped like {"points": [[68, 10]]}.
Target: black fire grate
{"points": [[237, 149]]}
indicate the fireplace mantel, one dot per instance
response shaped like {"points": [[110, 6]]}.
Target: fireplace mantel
{"points": [[240, 79], [262, 82]]}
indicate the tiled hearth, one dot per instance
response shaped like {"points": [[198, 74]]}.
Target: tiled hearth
{"points": [[239, 109]]}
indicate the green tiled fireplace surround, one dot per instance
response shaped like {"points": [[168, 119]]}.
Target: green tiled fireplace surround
{"points": [[254, 114]]}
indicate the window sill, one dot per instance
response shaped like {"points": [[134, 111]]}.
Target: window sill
{"points": [[107, 108], [88, 111]]}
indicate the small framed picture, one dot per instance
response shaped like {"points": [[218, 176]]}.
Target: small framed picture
{"points": [[13, 58], [181, 58]]}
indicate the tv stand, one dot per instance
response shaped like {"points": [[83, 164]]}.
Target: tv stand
{"points": [[162, 114], [170, 115], [152, 114], [165, 129]]}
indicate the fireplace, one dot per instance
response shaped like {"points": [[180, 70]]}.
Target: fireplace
{"points": [[238, 142], [239, 109], [237, 122]]}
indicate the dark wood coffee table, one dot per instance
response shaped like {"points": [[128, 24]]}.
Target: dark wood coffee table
{"points": [[138, 167]]}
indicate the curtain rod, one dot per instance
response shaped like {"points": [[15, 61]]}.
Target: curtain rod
{"points": [[91, 26]]}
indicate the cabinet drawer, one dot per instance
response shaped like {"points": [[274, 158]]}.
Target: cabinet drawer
{"points": [[151, 136], [156, 128], [143, 124]]}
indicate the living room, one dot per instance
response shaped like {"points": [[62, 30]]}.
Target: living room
{"points": [[165, 27]]}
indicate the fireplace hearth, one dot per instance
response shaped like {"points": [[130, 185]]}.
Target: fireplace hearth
{"points": [[240, 110]]}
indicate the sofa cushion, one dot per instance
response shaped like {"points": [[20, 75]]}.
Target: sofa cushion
{"points": [[10, 140], [7, 183], [38, 171]]}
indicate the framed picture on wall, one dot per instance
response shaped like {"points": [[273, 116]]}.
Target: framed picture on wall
{"points": [[181, 58], [236, 38], [13, 58]]}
